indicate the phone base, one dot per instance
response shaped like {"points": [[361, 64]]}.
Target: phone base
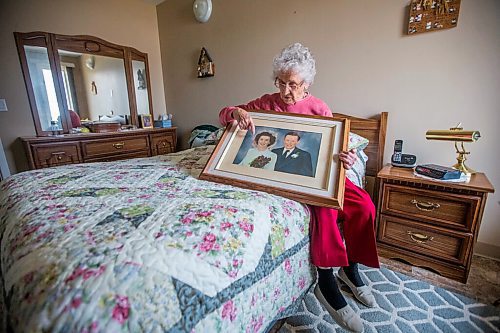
{"points": [[401, 165]]}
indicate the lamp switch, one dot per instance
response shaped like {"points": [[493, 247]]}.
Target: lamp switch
{"points": [[3, 105]]}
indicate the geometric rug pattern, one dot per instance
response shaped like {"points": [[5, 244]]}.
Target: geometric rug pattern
{"points": [[403, 305]]}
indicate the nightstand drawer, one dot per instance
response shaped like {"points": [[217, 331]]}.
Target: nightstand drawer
{"points": [[111, 147], [423, 239], [447, 209]]}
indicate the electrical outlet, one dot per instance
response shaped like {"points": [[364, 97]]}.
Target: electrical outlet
{"points": [[3, 105]]}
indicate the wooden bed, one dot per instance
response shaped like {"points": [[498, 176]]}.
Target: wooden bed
{"points": [[374, 129], [149, 246]]}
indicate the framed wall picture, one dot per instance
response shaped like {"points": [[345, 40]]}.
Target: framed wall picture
{"points": [[432, 15], [290, 155], [146, 121]]}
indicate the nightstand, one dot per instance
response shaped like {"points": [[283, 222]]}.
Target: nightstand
{"points": [[429, 223]]}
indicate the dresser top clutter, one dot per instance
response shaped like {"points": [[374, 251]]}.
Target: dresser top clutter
{"points": [[478, 180]]}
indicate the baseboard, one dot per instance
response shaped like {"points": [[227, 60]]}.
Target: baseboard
{"points": [[487, 250]]}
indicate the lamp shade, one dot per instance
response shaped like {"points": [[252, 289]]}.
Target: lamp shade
{"points": [[453, 135]]}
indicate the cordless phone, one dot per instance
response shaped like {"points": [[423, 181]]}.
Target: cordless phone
{"points": [[398, 151], [399, 159]]}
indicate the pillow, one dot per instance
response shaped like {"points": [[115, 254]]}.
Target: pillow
{"points": [[357, 141], [358, 170], [203, 135], [214, 137]]}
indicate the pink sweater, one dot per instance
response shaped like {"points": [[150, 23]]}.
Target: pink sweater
{"points": [[309, 105]]}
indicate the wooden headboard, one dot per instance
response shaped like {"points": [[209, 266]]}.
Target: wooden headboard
{"points": [[374, 129]]}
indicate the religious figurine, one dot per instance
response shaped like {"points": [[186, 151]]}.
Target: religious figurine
{"points": [[206, 66]]}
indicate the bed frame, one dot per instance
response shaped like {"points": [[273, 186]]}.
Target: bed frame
{"points": [[374, 129]]}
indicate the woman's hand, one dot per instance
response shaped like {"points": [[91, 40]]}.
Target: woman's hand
{"points": [[245, 122], [348, 158]]}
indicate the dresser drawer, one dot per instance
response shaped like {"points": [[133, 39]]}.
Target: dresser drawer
{"points": [[97, 149], [50, 155], [424, 239], [458, 211], [163, 143]]}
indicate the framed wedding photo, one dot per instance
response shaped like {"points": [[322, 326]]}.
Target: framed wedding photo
{"points": [[146, 121], [291, 155]]}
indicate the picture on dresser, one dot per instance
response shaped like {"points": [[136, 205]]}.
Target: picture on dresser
{"points": [[146, 121]]}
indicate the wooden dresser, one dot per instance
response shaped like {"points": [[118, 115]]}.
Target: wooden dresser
{"points": [[429, 223], [49, 151]]}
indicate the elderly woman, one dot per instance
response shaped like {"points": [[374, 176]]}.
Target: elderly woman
{"points": [[294, 70], [261, 156]]}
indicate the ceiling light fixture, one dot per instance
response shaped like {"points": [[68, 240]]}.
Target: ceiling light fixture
{"points": [[202, 10]]}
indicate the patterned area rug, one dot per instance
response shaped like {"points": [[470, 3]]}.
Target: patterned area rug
{"points": [[404, 305]]}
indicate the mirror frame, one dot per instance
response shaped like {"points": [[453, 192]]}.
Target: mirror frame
{"points": [[81, 44]]}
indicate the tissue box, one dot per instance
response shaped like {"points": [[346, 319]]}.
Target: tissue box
{"points": [[163, 123]]}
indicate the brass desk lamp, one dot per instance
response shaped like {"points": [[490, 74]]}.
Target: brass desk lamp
{"points": [[456, 134]]}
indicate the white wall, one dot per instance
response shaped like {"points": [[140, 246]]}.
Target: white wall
{"points": [[366, 64]]}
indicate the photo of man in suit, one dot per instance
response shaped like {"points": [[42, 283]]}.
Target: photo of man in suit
{"points": [[292, 159]]}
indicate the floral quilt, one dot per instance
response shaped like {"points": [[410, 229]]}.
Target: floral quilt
{"points": [[142, 245]]}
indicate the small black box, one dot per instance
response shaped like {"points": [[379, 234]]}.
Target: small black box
{"points": [[437, 171]]}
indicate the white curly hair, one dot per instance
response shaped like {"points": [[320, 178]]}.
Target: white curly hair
{"points": [[298, 59]]}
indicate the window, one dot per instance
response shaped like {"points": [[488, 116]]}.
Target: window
{"points": [[69, 87], [51, 95]]}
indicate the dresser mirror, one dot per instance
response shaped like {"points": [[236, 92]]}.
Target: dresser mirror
{"points": [[77, 79], [43, 88], [95, 86]]}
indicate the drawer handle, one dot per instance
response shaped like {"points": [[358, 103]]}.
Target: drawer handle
{"points": [[427, 206], [58, 155], [419, 238], [119, 145]]}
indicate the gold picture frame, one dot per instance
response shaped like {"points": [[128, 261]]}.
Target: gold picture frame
{"points": [[146, 121], [236, 160]]}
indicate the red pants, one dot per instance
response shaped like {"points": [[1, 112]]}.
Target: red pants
{"points": [[358, 214]]}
